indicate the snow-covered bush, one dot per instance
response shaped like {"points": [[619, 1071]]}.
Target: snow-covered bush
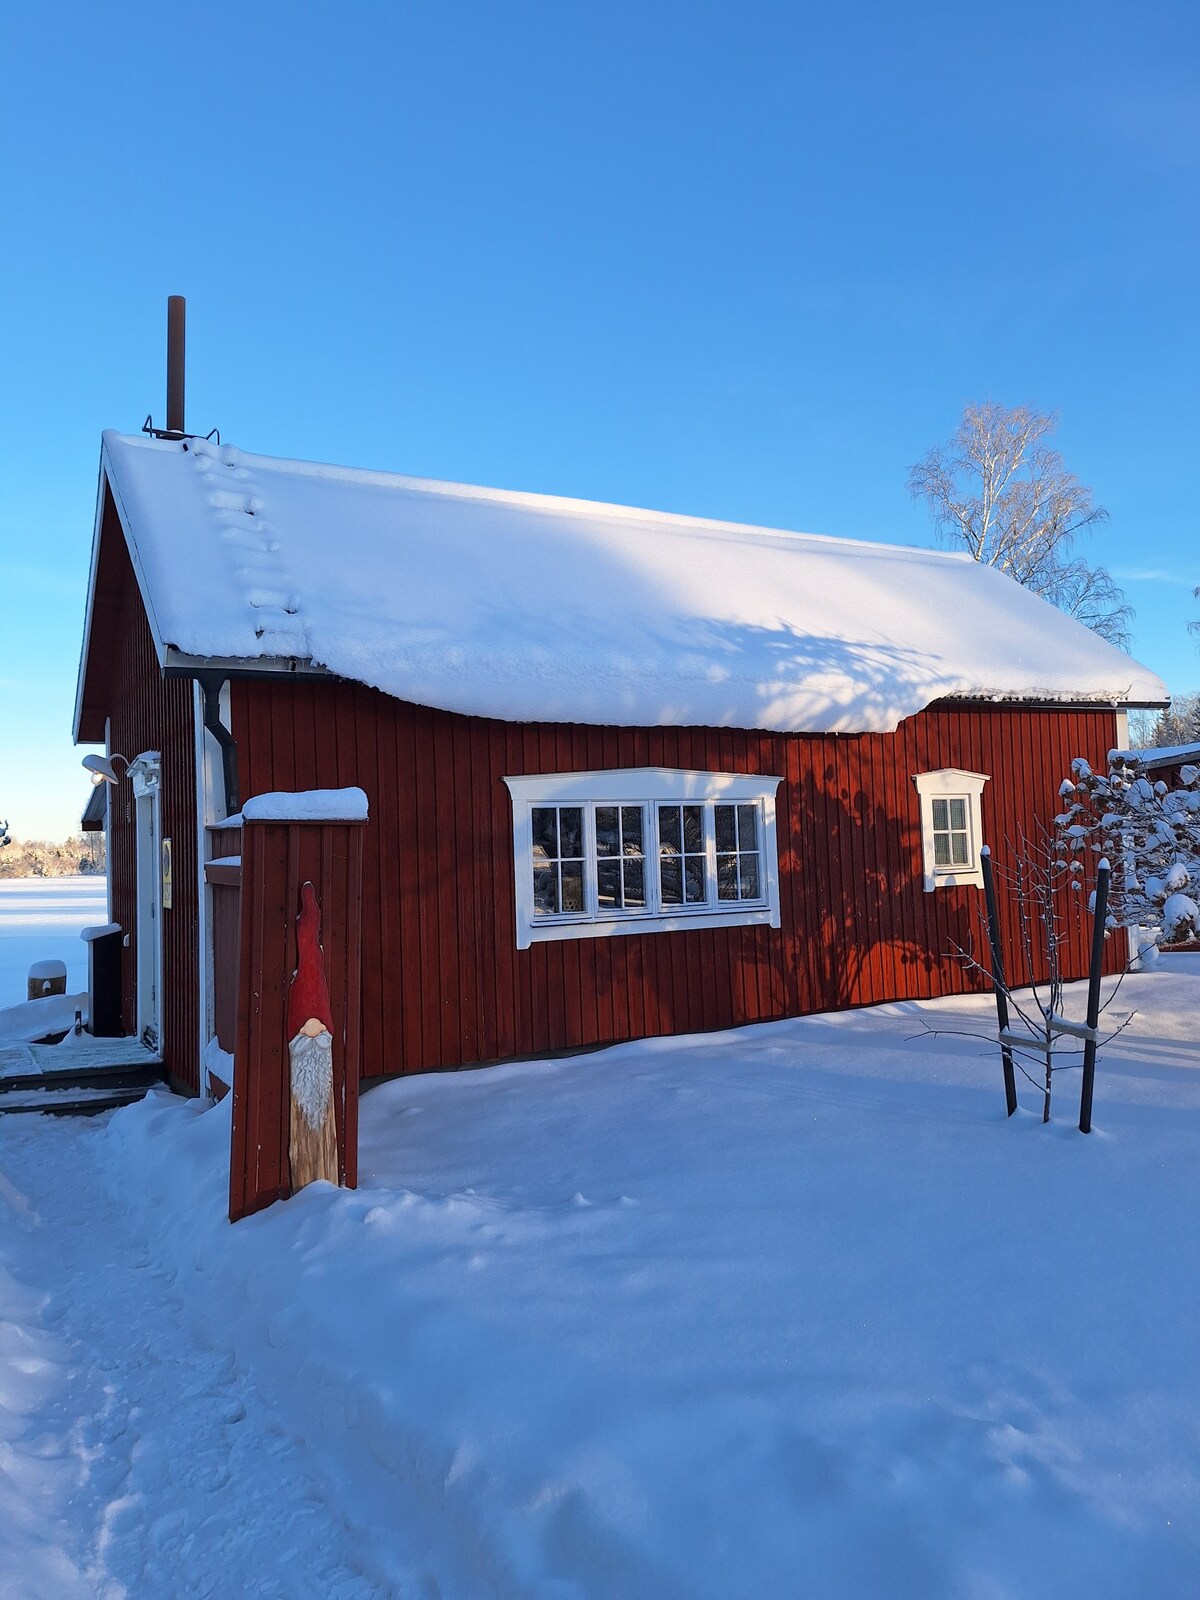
{"points": [[1150, 832]]}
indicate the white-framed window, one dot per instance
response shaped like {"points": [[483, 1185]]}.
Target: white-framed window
{"points": [[642, 850], [951, 826]]}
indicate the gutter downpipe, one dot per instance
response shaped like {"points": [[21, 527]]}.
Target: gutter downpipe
{"points": [[210, 687]]}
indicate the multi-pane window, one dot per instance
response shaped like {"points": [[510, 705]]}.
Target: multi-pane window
{"points": [[557, 860], [641, 849], [951, 839], [738, 865], [591, 860], [951, 827], [682, 856]]}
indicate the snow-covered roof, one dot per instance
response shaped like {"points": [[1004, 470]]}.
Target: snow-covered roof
{"points": [[533, 608], [1163, 755]]}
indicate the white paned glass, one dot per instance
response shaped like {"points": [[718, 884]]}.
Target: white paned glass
{"points": [[682, 861], [558, 860]]}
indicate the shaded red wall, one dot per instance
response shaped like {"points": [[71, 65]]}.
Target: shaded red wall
{"points": [[150, 712], [443, 981]]}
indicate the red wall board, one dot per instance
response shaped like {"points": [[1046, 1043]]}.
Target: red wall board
{"points": [[449, 987]]}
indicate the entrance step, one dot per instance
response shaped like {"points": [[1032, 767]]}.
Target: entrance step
{"points": [[81, 1077], [72, 1102]]}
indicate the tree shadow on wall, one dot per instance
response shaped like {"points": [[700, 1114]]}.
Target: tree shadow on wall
{"points": [[865, 929]]}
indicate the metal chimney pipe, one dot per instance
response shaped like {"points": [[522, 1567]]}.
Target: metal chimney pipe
{"points": [[176, 323]]}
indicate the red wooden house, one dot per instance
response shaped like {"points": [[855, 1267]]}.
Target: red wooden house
{"points": [[628, 773], [1165, 763]]}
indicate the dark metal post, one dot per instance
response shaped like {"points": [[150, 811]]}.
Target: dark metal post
{"points": [[176, 322], [1093, 1005], [998, 984]]}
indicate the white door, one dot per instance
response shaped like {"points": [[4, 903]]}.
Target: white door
{"points": [[145, 773]]}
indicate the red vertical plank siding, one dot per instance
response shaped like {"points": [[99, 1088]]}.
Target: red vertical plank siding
{"points": [[150, 712], [496, 895], [395, 815], [387, 911], [377, 996], [449, 986]]}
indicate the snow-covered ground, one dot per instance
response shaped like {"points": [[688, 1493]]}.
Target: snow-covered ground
{"points": [[788, 1311], [40, 920]]}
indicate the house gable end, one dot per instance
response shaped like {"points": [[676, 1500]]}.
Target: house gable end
{"points": [[114, 573]]}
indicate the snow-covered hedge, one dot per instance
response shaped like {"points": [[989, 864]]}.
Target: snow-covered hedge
{"points": [[1149, 831]]}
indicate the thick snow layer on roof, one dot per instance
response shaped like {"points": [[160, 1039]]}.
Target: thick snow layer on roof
{"points": [[531, 608]]}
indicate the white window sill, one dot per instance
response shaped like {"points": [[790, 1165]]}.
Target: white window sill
{"points": [[957, 878], [541, 932]]}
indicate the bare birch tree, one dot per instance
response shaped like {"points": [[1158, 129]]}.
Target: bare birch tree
{"points": [[1002, 493]]}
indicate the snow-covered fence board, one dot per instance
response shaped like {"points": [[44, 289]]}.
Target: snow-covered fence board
{"points": [[279, 855]]}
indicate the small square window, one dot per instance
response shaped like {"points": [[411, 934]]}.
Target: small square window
{"points": [[951, 826], [951, 837]]}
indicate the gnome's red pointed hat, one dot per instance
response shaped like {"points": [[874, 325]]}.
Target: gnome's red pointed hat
{"points": [[309, 993]]}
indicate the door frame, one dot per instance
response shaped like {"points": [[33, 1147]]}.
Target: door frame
{"points": [[145, 773]]}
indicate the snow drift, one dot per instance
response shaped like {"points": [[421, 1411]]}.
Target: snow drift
{"points": [[791, 1310]]}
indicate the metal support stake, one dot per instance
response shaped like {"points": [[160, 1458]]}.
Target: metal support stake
{"points": [[998, 983], [1093, 1005]]}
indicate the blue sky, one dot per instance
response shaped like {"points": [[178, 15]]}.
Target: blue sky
{"points": [[745, 261]]}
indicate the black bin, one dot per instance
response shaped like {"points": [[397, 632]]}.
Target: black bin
{"points": [[104, 981]]}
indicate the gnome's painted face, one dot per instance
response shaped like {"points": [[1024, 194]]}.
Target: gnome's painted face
{"points": [[311, 1057]]}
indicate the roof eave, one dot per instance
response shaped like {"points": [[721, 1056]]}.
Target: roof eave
{"points": [[1056, 703], [180, 664]]}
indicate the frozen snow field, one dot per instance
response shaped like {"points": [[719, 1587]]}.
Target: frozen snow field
{"points": [[40, 920], [788, 1311]]}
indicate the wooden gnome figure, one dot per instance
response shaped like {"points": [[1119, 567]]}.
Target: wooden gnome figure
{"points": [[312, 1144]]}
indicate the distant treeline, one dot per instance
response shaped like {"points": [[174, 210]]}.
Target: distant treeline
{"points": [[38, 858]]}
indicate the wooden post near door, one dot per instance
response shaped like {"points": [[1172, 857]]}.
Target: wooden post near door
{"points": [[280, 854]]}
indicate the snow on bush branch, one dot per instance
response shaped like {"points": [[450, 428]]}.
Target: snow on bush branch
{"points": [[1149, 831]]}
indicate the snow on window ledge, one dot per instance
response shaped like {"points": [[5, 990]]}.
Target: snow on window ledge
{"points": [[951, 827], [304, 805], [642, 850]]}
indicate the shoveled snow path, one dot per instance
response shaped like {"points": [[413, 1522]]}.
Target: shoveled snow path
{"points": [[134, 1460]]}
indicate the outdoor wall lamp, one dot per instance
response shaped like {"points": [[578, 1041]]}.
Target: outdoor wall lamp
{"points": [[102, 769]]}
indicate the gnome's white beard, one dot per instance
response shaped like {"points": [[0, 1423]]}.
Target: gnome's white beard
{"points": [[312, 1075]]}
